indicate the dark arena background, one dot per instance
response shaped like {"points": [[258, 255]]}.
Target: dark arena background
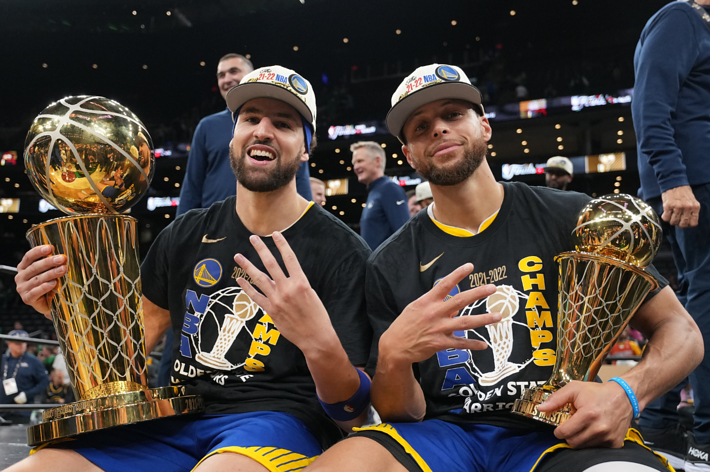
{"points": [[556, 78]]}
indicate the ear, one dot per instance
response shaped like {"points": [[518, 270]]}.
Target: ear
{"points": [[408, 155], [486, 130], [304, 155]]}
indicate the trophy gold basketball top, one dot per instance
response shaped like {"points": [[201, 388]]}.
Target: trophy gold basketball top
{"points": [[601, 286], [92, 158]]}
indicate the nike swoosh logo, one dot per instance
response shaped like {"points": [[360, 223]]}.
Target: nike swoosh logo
{"points": [[206, 240], [423, 267], [400, 202]]}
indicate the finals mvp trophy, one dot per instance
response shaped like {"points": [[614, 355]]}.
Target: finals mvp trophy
{"points": [[92, 158], [601, 286]]}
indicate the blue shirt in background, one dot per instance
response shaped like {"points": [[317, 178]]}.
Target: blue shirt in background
{"points": [[209, 177], [671, 106], [31, 378], [385, 212]]}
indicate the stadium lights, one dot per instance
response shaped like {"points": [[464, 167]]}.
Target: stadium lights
{"points": [[620, 133], [45, 65], [453, 22], [518, 130], [558, 126], [346, 40], [493, 154], [524, 143], [621, 119], [295, 48], [399, 31], [512, 12], [560, 147], [526, 150]]}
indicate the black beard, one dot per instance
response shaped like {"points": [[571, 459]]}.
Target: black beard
{"points": [[254, 181], [472, 158]]}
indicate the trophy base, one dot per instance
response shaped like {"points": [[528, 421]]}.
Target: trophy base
{"points": [[532, 397], [113, 410]]}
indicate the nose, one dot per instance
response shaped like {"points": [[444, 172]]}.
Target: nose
{"points": [[264, 131], [439, 127]]}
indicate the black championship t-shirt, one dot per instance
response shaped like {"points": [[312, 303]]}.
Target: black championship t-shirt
{"points": [[516, 253], [226, 347]]}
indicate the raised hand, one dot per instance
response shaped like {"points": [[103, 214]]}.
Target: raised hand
{"points": [[427, 325], [290, 301]]}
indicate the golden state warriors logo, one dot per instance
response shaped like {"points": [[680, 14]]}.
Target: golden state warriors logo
{"points": [[454, 291], [207, 272], [298, 83], [447, 73]]}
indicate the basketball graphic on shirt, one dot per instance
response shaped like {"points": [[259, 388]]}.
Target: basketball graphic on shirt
{"points": [[244, 308], [506, 302], [229, 309]]}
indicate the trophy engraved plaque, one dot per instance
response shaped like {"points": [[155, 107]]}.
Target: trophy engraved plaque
{"points": [[92, 158], [601, 285]]}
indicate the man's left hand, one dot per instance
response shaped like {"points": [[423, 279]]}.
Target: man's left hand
{"points": [[290, 301], [601, 416]]}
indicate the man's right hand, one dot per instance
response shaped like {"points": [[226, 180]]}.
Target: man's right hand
{"points": [[680, 208], [427, 325], [37, 275]]}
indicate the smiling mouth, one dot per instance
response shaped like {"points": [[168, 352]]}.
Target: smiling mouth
{"points": [[261, 155]]}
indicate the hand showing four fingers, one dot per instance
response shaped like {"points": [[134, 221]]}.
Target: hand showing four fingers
{"points": [[290, 301]]}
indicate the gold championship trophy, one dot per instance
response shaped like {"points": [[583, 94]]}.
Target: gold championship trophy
{"points": [[92, 158], [601, 286]]}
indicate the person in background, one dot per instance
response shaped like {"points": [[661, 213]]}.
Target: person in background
{"points": [[424, 196], [385, 210], [412, 202], [23, 377], [670, 114], [318, 191], [558, 172], [57, 391]]}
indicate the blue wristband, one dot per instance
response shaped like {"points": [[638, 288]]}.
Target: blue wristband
{"points": [[352, 407], [630, 394]]}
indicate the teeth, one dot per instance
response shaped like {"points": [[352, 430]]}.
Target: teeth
{"points": [[259, 152]]}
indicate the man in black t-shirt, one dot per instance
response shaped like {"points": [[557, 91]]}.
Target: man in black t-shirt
{"points": [[274, 366], [461, 300]]}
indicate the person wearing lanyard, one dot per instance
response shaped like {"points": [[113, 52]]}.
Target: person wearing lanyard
{"points": [[23, 377]]}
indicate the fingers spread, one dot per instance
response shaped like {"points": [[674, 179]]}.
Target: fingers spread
{"points": [[267, 258], [258, 278], [289, 258], [467, 297], [463, 323], [253, 293], [444, 286]]}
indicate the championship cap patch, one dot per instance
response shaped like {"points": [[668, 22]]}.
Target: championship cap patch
{"points": [[428, 84], [278, 83]]}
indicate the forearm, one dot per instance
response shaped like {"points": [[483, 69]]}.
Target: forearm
{"points": [[155, 321], [396, 393], [335, 377], [674, 349]]}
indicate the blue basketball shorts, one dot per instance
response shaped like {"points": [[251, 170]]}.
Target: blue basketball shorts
{"points": [[278, 441], [439, 446]]}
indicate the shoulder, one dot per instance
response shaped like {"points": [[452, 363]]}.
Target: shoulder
{"points": [[214, 119], [392, 188], [335, 231], [546, 199], [671, 16], [195, 220], [402, 242]]}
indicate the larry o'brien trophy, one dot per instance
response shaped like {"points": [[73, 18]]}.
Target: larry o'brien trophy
{"points": [[92, 158], [601, 286]]}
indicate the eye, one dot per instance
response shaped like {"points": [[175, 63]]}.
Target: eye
{"points": [[283, 124], [419, 127], [454, 114]]}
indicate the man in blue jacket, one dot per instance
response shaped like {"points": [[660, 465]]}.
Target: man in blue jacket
{"points": [[672, 121], [23, 377], [386, 209], [208, 177]]}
